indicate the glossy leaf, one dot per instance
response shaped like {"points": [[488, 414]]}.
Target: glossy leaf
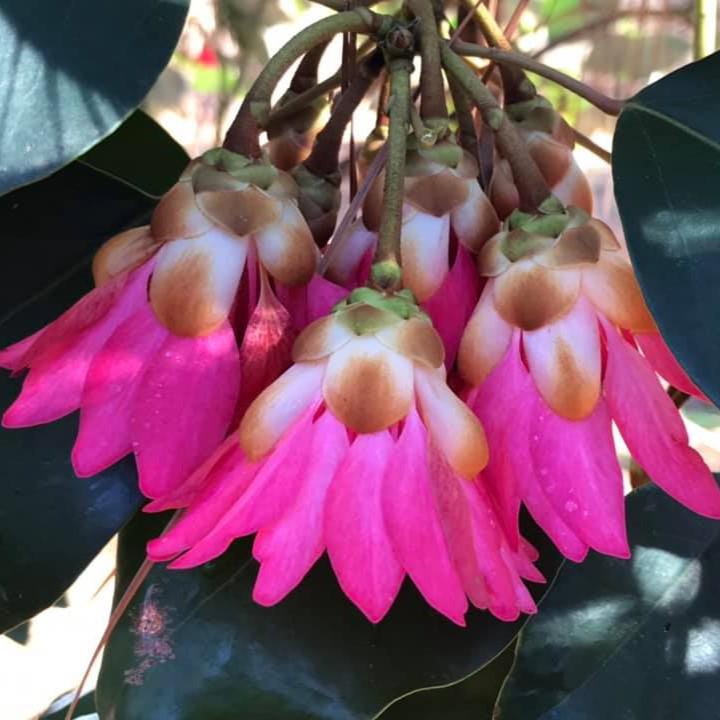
{"points": [[52, 523], [633, 639], [70, 72], [666, 167], [473, 698], [141, 154], [193, 644]]}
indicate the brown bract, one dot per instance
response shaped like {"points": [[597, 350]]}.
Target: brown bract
{"points": [[122, 253], [177, 215], [371, 355]]}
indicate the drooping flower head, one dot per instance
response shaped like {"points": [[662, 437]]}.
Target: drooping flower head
{"points": [[360, 449], [551, 355], [150, 356], [550, 141]]}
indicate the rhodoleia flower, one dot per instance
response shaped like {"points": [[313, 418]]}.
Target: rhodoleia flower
{"points": [[550, 141], [150, 356], [551, 355], [360, 449], [446, 219]]}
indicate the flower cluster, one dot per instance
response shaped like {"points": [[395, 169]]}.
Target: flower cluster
{"points": [[400, 431]]}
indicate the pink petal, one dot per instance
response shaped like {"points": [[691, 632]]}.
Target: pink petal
{"points": [[266, 348], [347, 267], [452, 305], [355, 534], [109, 392], [424, 248], [657, 352], [272, 492], [504, 403], [183, 407], [576, 466], [310, 302], [59, 363], [290, 547], [413, 524], [508, 594], [223, 484], [14, 356], [653, 429], [456, 520]]}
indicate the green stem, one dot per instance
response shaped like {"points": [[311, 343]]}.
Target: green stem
{"points": [[609, 105], [243, 135], [531, 185], [432, 88], [386, 272], [323, 160], [705, 27], [466, 124]]}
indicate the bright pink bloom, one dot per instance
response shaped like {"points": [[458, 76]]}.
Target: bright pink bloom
{"points": [[550, 354], [362, 450], [150, 356]]}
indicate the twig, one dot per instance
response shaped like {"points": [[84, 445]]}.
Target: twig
{"points": [[588, 144], [609, 105]]}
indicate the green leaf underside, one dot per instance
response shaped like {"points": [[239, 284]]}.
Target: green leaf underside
{"points": [[70, 72], [666, 167], [636, 639], [52, 523], [193, 644]]}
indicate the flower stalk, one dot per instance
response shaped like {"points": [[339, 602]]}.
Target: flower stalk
{"points": [[243, 135], [432, 89], [386, 272], [531, 184]]}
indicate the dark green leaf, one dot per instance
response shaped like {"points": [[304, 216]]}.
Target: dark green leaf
{"points": [[52, 523], [666, 166], [636, 639], [194, 645], [470, 699], [70, 72], [141, 154]]}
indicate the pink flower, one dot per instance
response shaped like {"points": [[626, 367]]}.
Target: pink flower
{"points": [[446, 220], [150, 356], [362, 450], [550, 354]]}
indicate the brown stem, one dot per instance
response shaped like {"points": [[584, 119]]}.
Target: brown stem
{"points": [[587, 143], [306, 75], [432, 88], [609, 105], [243, 135], [532, 186], [466, 124], [324, 158], [335, 246], [512, 24]]}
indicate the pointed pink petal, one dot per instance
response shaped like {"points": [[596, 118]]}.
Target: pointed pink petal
{"points": [[290, 547], [272, 492], [108, 394], [503, 403], [266, 348], [657, 352], [456, 520], [576, 465], [223, 484], [653, 429], [183, 407], [346, 267], [14, 356], [413, 524], [452, 305], [508, 594], [310, 302], [59, 364], [357, 542]]}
